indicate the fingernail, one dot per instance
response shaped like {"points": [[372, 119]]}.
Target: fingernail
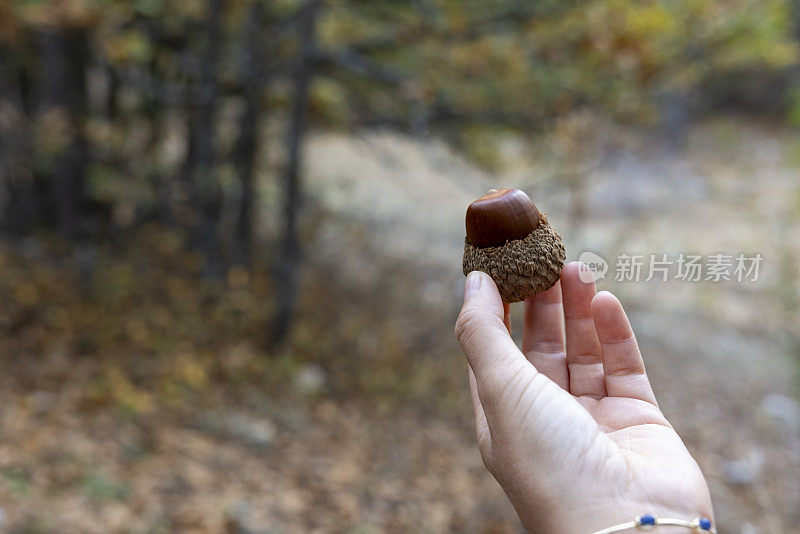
{"points": [[585, 274], [473, 284]]}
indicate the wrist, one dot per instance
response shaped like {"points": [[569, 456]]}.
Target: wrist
{"points": [[648, 522], [593, 520]]}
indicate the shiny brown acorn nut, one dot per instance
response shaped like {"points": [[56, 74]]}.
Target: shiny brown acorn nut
{"points": [[501, 215], [511, 240]]}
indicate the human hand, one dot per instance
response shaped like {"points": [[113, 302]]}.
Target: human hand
{"points": [[569, 426]]}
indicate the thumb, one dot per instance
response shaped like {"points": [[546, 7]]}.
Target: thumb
{"points": [[484, 339], [519, 402]]}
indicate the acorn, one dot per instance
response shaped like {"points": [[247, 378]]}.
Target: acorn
{"points": [[510, 239]]}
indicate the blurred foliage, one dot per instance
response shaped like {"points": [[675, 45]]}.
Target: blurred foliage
{"points": [[539, 60], [144, 111], [506, 62], [157, 336], [126, 98]]}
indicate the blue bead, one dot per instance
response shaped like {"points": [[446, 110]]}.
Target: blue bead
{"points": [[646, 519], [704, 523]]}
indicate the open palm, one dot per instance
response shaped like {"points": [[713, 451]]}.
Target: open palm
{"points": [[569, 425]]}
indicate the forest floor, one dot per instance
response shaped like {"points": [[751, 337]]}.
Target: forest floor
{"points": [[133, 399]]}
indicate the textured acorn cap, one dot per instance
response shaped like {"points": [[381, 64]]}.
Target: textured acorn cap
{"points": [[521, 267]]}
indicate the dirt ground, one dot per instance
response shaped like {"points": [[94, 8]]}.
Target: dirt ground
{"points": [[387, 445]]}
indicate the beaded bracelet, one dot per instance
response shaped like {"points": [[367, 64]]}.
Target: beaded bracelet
{"points": [[648, 521]]}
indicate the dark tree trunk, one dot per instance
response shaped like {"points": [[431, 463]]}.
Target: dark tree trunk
{"points": [[675, 118], [245, 151], [63, 80], [795, 17], [18, 202], [204, 192], [111, 104], [288, 261], [155, 111]]}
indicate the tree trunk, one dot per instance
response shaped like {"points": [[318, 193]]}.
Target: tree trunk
{"points": [[288, 261], [795, 17], [247, 144], [111, 103], [204, 192], [64, 54], [18, 201], [675, 118]]}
